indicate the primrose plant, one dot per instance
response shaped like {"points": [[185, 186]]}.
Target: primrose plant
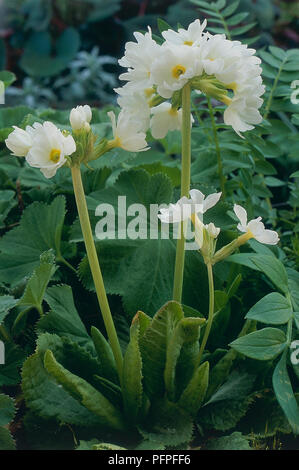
{"points": [[162, 380]]}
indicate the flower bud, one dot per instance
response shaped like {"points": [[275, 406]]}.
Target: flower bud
{"points": [[80, 118]]}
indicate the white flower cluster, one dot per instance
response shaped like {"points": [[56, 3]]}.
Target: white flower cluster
{"points": [[155, 73]]}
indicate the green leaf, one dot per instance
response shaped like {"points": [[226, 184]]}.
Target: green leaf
{"points": [[284, 393], [273, 309], [132, 375], [236, 441], [167, 424], [37, 284], [6, 440], [10, 371], [39, 230], [7, 302], [38, 59], [48, 399], [153, 346], [195, 392], [105, 355], [63, 319], [186, 333], [87, 395], [229, 404], [274, 270], [7, 409], [162, 25], [7, 202], [263, 345], [7, 78]]}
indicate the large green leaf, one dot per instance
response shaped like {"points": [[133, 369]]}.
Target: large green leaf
{"points": [[236, 441], [273, 309], [263, 345], [153, 346], [85, 393], [7, 302], [132, 375], [274, 270], [195, 392], [186, 333], [63, 319], [48, 399], [39, 230], [167, 424], [7, 409], [284, 393], [6, 440], [105, 355]]}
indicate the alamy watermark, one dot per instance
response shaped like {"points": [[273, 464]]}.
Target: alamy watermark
{"points": [[2, 353], [295, 354], [2, 92], [295, 93], [138, 221]]}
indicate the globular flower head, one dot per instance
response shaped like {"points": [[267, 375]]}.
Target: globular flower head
{"points": [[49, 150], [20, 141], [127, 134], [80, 118], [255, 228]]}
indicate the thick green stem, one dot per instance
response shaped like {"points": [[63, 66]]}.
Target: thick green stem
{"points": [[185, 187], [95, 267], [211, 312], [217, 146]]}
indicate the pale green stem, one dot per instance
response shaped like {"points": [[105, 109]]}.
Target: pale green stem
{"points": [[95, 267], [185, 187], [211, 312], [217, 146]]}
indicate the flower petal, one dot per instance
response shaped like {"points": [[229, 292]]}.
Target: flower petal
{"points": [[241, 214]]}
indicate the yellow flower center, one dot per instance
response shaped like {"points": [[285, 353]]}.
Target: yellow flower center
{"points": [[211, 60], [188, 43], [232, 86], [149, 92], [173, 112], [178, 70], [55, 155]]}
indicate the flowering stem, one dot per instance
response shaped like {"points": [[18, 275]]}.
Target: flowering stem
{"points": [[95, 266], [185, 187], [211, 312], [218, 153]]}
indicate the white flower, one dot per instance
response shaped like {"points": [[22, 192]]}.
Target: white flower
{"points": [[174, 66], [138, 59], [165, 118], [200, 200], [20, 141], [178, 212], [126, 133], [190, 37], [212, 230], [242, 113], [255, 228], [49, 149], [186, 207], [135, 102], [80, 117]]}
